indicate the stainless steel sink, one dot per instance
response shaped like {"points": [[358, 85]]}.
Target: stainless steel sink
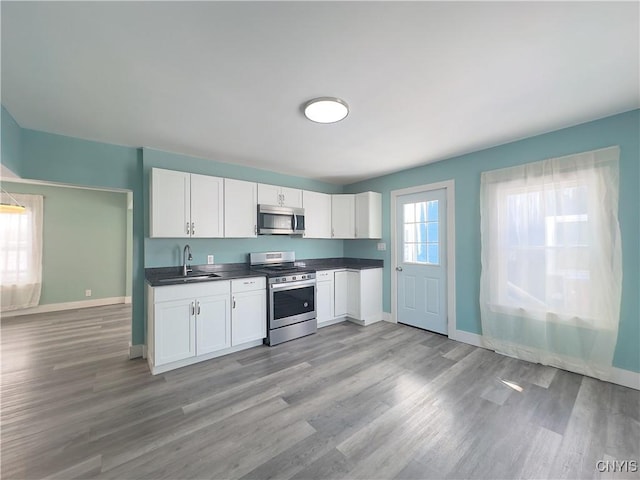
{"points": [[188, 278]]}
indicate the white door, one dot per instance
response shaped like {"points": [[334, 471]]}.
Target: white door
{"points": [[240, 208], [175, 331], [170, 214], [340, 294], [269, 194], [291, 197], [207, 200], [248, 316], [421, 260], [317, 214], [213, 324], [343, 216]]}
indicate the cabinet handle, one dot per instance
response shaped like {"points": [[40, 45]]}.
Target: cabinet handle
{"points": [[193, 308], [198, 308], [255, 229], [188, 232], [234, 302], [332, 233], [355, 233], [193, 228]]}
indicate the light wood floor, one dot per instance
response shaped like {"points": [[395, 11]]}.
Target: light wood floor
{"points": [[384, 401]]}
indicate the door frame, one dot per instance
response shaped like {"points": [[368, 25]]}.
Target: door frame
{"points": [[449, 187]]}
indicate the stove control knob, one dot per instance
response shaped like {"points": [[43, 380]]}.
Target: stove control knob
{"points": [[293, 278]]}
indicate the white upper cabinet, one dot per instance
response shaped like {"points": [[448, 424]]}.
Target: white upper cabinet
{"points": [[185, 205], [282, 196], [317, 214], [207, 199], [240, 208], [368, 215], [343, 216]]}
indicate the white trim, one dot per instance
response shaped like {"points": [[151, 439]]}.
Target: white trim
{"points": [[56, 307], [137, 351], [449, 187], [619, 376], [386, 317], [626, 378], [333, 321], [127, 299], [67, 185]]}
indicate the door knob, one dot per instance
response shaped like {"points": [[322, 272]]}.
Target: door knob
{"points": [[399, 269]]}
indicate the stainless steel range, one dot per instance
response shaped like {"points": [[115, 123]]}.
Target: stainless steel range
{"points": [[291, 294]]}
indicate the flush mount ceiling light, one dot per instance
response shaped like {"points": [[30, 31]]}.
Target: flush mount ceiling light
{"points": [[326, 110]]}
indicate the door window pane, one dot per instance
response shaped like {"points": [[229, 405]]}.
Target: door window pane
{"points": [[421, 241]]}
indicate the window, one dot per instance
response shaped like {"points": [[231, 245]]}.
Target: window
{"points": [[421, 241], [21, 253], [551, 278]]}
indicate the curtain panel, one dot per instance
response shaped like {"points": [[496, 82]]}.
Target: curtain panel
{"points": [[21, 253], [551, 278]]}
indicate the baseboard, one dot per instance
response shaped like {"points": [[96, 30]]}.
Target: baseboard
{"points": [[127, 299], [386, 317], [56, 307], [137, 351], [619, 376], [626, 378], [333, 321]]}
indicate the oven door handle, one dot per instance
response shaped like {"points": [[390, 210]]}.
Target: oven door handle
{"points": [[292, 285]]}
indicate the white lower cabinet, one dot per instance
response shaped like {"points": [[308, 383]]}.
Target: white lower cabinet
{"points": [[175, 331], [354, 294], [213, 330], [191, 323], [249, 310]]}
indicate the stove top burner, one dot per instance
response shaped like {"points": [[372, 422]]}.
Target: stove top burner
{"points": [[284, 269]]}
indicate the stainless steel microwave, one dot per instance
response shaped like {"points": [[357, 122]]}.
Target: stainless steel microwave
{"points": [[275, 220]]}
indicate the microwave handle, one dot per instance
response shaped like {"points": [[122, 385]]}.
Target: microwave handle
{"points": [[295, 222]]}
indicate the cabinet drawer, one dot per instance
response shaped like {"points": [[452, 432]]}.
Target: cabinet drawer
{"points": [[248, 284], [179, 292]]}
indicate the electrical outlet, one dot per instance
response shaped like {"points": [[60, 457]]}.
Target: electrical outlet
{"points": [[210, 259], [382, 246], [87, 293]]}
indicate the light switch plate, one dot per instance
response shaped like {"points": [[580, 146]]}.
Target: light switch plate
{"points": [[210, 259], [382, 246]]}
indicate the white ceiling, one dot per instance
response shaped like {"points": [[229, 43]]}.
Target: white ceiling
{"points": [[425, 81]]}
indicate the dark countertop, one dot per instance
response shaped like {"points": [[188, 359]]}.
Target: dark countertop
{"points": [[341, 262], [163, 276]]}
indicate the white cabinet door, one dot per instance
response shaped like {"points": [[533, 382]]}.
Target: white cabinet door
{"points": [[368, 215], [170, 215], [353, 294], [268, 194], [317, 214], [343, 216], [213, 324], [324, 301], [248, 316], [174, 331], [282, 196], [291, 197], [240, 208], [340, 294], [207, 200]]}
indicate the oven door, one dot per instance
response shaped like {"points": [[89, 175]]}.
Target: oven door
{"points": [[291, 303]]}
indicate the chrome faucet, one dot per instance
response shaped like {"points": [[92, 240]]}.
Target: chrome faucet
{"points": [[186, 268]]}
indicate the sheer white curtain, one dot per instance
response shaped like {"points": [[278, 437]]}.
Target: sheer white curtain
{"points": [[21, 253], [551, 277]]}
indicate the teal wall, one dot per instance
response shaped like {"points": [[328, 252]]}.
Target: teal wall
{"points": [[161, 252], [11, 140], [56, 158], [84, 242], [622, 130]]}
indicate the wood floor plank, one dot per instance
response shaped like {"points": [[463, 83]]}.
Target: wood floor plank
{"points": [[383, 401]]}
